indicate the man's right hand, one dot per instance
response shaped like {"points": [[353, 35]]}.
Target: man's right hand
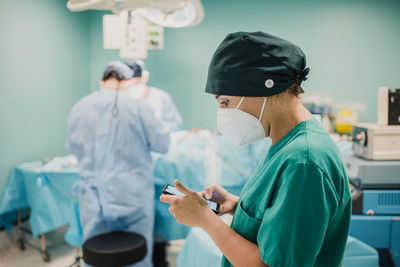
{"points": [[227, 202]]}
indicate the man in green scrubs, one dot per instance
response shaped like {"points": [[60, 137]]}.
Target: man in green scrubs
{"points": [[295, 209]]}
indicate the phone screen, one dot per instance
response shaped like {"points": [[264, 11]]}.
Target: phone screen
{"points": [[169, 189], [212, 205], [173, 191]]}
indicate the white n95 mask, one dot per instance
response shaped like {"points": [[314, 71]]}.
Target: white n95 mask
{"points": [[239, 127]]}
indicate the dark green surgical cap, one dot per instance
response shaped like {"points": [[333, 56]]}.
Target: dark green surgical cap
{"points": [[255, 64]]}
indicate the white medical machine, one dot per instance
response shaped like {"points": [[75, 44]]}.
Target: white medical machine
{"points": [[381, 140], [376, 142]]}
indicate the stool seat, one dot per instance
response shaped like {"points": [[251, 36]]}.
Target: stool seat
{"points": [[114, 249]]}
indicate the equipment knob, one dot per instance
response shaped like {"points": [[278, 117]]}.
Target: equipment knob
{"points": [[363, 138]]}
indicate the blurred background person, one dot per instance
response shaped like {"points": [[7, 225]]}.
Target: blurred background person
{"points": [[112, 134], [160, 101]]}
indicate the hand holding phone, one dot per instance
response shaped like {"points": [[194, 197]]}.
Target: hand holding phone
{"points": [[171, 190], [227, 202]]}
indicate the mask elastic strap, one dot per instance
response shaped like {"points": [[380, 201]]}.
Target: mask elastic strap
{"points": [[262, 109], [240, 102], [237, 107]]}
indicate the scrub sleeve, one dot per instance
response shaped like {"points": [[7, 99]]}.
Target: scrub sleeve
{"points": [[293, 227]]}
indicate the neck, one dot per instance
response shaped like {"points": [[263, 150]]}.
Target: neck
{"points": [[282, 120], [111, 85]]}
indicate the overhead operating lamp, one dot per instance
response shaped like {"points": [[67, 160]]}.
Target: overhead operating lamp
{"points": [[137, 25]]}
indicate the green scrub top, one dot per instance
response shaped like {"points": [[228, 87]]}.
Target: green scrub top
{"points": [[297, 205]]}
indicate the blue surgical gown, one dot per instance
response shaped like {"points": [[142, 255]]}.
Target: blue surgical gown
{"points": [[116, 190], [164, 108]]}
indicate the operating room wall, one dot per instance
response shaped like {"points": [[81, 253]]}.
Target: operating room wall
{"points": [[352, 48], [44, 69]]}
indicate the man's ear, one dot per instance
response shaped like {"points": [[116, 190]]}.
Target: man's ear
{"points": [[145, 76]]}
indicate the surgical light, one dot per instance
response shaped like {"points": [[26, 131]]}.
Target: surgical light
{"points": [[137, 25]]}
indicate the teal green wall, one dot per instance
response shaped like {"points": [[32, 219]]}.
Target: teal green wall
{"points": [[352, 48], [44, 53]]}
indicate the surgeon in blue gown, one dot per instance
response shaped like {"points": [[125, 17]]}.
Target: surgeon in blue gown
{"points": [[112, 135]]}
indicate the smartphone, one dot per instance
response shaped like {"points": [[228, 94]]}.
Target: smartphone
{"points": [[171, 190]]}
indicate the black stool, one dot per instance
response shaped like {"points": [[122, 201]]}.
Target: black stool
{"points": [[114, 249], [160, 251]]}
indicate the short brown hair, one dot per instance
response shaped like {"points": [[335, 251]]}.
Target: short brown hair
{"points": [[295, 89], [112, 75]]}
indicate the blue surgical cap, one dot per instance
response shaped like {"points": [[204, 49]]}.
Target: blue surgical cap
{"points": [[120, 68], [137, 66]]}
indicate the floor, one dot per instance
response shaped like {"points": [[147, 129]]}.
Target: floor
{"points": [[62, 255], [11, 255]]}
